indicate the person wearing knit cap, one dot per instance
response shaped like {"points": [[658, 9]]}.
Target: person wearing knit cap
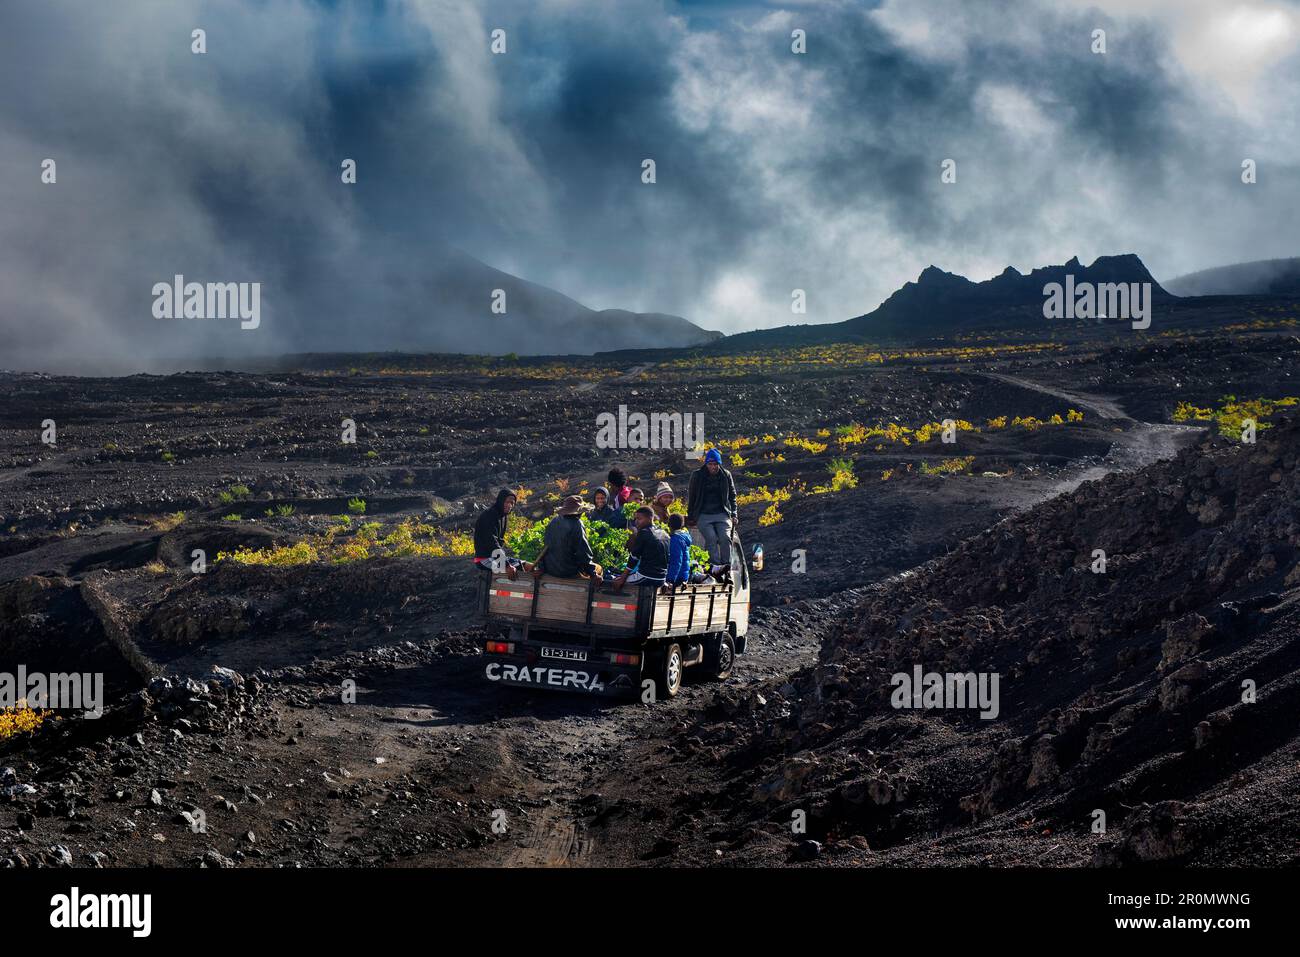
{"points": [[663, 498], [711, 507]]}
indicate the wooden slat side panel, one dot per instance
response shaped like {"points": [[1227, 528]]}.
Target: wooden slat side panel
{"points": [[697, 608], [562, 601], [682, 613], [513, 598], [615, 610], [680, 606]]}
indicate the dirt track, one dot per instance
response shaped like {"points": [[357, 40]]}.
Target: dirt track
{"points": [[601, 754]]}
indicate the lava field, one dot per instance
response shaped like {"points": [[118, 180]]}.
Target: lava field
{"points": [[214, 546]]}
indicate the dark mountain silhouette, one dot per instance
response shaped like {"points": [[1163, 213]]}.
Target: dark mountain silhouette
{"points": [[1263, 277], [537, 320], [941, 303]]}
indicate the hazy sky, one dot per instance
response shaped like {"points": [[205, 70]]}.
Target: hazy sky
{"points": [[775, 170]]}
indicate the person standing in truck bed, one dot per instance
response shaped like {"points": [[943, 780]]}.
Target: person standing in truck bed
{"points": [[711, 505]]}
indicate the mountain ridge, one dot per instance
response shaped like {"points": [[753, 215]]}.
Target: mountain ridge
{"points": [[537, 318], [940, 303]]}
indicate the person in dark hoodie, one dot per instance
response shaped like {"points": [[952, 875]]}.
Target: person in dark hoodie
{"points": [[566, 553], [605, 511], [490, 537]]}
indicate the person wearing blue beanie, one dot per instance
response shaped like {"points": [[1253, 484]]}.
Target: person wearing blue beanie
{"points": [[711, 507]]}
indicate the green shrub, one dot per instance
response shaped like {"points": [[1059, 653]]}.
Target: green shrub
{"points": [[234, 494]]}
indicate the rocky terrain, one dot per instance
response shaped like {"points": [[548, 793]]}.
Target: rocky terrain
{"points": [[332, 712], [1158, 691]]}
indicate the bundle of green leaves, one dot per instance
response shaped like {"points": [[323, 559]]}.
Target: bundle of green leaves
{"points": [[525, 538], [608, 545]]}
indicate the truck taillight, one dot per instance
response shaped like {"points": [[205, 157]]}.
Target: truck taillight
{"points": [[500, 648], [621, 659]]}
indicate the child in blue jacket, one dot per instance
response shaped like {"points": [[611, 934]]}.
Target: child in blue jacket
{"points": [[679, 550]]}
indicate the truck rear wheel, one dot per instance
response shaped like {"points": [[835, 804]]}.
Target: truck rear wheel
{"points": [[720, 657], [668, 679]]}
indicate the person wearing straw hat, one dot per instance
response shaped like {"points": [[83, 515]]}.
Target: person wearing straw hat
{"points": [[566, 553]]}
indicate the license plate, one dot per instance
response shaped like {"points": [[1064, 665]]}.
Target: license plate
{"points": [[568, 654]]}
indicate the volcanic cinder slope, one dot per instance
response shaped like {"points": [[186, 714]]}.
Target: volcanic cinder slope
{"points": [[1119, 692], [1162, 692]]}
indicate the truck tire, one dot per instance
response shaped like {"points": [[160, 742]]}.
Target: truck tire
{"points": [[720, 657], [668, 677]]}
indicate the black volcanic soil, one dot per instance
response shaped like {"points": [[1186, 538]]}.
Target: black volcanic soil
{"points": [[1122, 692], [428, 764]]}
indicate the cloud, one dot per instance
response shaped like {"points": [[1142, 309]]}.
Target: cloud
{"points": [[776, 171]]}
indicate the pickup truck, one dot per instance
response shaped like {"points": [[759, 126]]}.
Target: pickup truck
{"points": [[579, 634]]}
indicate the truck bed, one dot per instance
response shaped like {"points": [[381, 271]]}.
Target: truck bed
{"points": [[587, 606]]}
